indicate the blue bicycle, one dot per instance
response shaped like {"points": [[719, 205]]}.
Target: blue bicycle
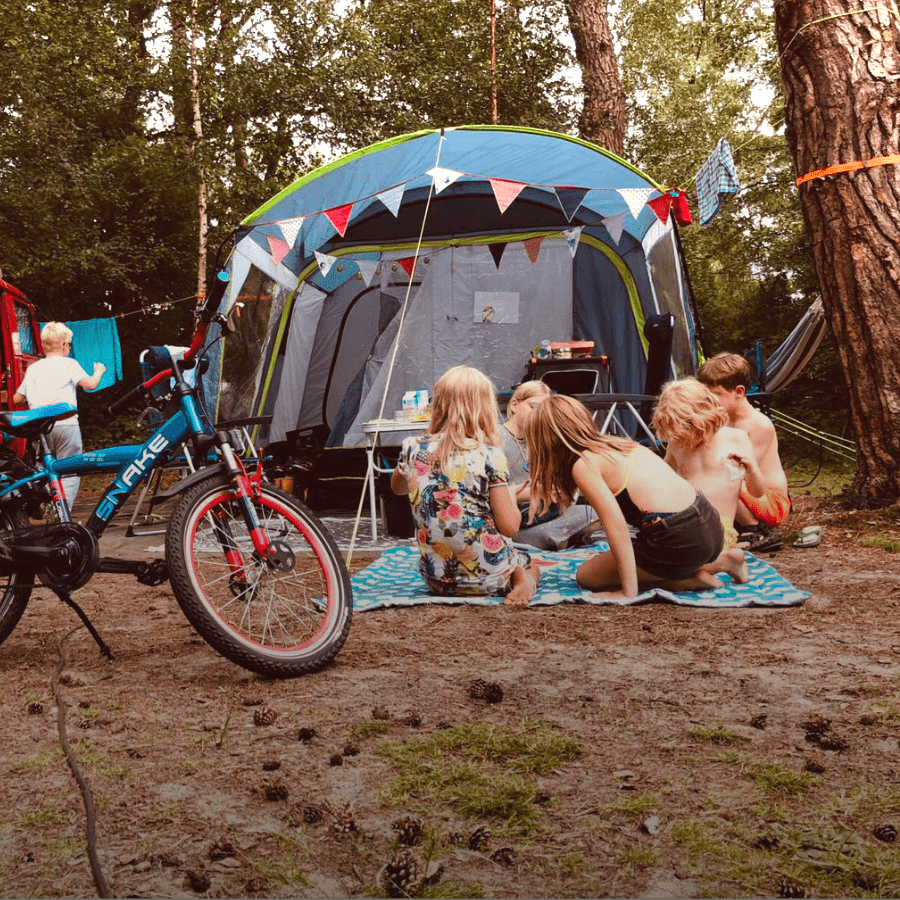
{"points": [[255, 572]]}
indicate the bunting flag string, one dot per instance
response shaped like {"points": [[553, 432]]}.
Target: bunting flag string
{"points": [[533, 248], [573, 236], [367, 269], [506, 191], [324, 262], [409, 264], [497, 252]]}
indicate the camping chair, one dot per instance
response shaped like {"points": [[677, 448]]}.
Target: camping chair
{"points": [[571, 381], [758, 395]]}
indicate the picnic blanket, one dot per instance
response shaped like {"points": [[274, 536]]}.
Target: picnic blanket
{"points": [[394, 580]]}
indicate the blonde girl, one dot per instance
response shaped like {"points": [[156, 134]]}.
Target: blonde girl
{"points": [[456, 477], [679, 540], [524, 399]]}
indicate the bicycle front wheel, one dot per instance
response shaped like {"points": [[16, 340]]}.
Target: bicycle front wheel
{"points": [[283, 617]]}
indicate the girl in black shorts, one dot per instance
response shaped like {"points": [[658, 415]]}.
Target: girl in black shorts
{"points": [[679, 537]]}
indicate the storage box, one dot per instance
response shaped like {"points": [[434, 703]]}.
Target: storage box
{"points": [[564, 349]]}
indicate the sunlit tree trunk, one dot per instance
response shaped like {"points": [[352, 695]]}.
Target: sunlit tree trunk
{"points": [[840, 70], [603, 115]]}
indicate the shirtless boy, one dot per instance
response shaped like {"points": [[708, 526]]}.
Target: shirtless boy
{"points": [[715, 458], [727, 375]]}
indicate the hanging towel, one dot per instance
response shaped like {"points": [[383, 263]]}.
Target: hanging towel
{"points": [[97, 340], [715, 181]]}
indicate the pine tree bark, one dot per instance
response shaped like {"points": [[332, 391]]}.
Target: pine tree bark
{"points": [[840, 71], [602, 118]]}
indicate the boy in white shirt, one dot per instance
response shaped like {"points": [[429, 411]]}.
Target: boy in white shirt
{"points": [[54, 379]]}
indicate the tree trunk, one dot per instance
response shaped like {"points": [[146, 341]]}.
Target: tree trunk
{"points": [[603, 116], [840, 70]]}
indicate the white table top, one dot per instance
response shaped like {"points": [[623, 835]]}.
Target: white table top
{"points": [[394, 425]]}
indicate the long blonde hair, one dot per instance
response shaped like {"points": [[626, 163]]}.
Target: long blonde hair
{"points": [[463, 409], [557, 432], [688, 413]]}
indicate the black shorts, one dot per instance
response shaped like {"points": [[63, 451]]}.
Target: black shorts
{"points": [[677, 545]]}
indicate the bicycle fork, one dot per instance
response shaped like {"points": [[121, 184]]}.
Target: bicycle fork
{"points": [[276, 555]]}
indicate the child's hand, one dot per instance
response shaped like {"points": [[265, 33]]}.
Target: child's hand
{"points": [[99, 368]]}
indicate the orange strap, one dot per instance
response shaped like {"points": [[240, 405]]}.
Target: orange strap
{"points": [[849, 167]]}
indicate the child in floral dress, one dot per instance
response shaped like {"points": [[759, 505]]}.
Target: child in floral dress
{"points": [[457, 480]]}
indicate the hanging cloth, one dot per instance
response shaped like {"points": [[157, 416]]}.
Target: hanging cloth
{"points": [[716, 181], [97, 340]]}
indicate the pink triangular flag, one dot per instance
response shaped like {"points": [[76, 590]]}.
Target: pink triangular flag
{"points": [[278, 248], [339, 216], [661, 206], [290, 229], [505, 191], [392, 197], [533, 248]]}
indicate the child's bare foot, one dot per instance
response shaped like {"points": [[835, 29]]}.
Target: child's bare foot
{"points": [[524, 584], [733, 563], [699, 581]]}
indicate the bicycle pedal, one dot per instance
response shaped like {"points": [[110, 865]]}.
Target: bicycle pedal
{"points": [[154, 574]]}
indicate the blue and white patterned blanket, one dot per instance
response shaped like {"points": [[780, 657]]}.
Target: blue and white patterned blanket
{"points": [[394, 580]]}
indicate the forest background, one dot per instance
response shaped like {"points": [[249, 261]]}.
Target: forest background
{"points": [[119, 117]]}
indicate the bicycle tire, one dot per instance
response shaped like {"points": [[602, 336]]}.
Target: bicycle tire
{"points": [[279, 623], [15, 587]]}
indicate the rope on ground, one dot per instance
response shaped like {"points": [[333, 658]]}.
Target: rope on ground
{"points": [[86, 796]]}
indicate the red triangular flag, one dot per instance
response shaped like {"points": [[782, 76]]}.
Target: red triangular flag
{"points": [[497, 253], [661, 206], [408, 264], [505, 191], [533, 248], [339, 216]]}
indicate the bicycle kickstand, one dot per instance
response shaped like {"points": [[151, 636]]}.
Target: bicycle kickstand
{"points": [[66, 598]]}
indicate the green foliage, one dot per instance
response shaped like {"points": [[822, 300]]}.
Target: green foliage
{"points": [[717, 734]]}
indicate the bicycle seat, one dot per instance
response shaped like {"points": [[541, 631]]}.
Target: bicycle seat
{"points": [[32, 422]]}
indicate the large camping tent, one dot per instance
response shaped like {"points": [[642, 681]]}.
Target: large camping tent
{"points": [[482, 241]]}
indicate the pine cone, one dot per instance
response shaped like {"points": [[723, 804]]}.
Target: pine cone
{"points": [[221, 849], [542, 798], [312, 814], [816, 724], [479, 838], [271, 765], [35, 708], [814, 765], [344, 823], [350, 750], [264, 716], [400, 877], [490, 691], [409, 831], [197, 880], [412, 719], [455, 839], [833, 742], [305, 735], [335, 759], [759, 721], [885, 832], [503, 856], [380, 712], [275, 791], [789, 888]]}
